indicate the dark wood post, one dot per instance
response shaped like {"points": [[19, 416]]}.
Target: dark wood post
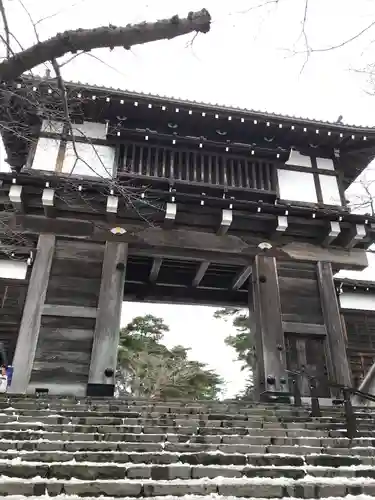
{"points": [[332, 319], [30, 324], [266, 325], [107, 328]]}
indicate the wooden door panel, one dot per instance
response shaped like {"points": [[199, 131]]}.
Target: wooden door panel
{"points": [[307, 355]]}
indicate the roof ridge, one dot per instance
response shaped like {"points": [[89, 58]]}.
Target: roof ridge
{"points": [[215, 106]]}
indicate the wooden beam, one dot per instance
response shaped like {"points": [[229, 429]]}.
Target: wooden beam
{"points": [[281, 227], [332, 319], [32, 313], [188, 295], [184, 254], [334, 229], [203, 245], [15, 196], [354, 259], [112, 207], [112, 204], [69, 311], [170, 214], [356, 234], [226, 221], [266, 324], [155, 269], [48, 201], [304, 328], [201, 271], [107, 327], [241, 277]]}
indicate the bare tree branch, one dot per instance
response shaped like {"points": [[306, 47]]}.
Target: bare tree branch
{"points": [[112, 36], [6, 28]]}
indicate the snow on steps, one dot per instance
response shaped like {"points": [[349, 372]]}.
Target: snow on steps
{"points": [[64, 448]]}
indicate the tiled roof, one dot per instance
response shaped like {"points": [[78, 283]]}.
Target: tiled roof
{"points": [[217, 107]]}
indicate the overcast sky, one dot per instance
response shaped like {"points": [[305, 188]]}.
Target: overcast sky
{"points": [[252, 58]]}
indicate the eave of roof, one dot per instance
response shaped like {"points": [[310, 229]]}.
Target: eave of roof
{"points": [[215, 107]]}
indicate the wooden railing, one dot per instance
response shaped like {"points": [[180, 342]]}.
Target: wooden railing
{"points": [[220, 169]]}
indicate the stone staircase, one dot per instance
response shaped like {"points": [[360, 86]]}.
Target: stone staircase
{"points": [[67, 448]]}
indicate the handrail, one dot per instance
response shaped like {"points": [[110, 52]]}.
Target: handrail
{"points": [[347, 392]]}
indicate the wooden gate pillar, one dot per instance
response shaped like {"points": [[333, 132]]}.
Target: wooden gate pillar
{"points": [[107, 328], [332, 319], [266, 324], [32, 313]]}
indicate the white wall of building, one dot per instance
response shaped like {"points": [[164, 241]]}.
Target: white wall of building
{"points": [[358, 301], [82, 159], [11, 269]]}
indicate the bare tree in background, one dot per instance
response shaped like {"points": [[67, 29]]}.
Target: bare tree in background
{"points": [[19, 61]]}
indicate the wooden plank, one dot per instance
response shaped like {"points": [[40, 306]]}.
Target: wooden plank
{"points": [[332, 320], [16, 197], [60, 353], [58, 322], [66, 334], [81, 250], [73, 291], [69, 311], [355, 235], [346, 259], [265, 307], [304, 328], [226, 221], [241, 277], [107, 327], [334, 229], [300, 297], [59, 373], [181, 239], [201, 271], [31, 319], [155, 269]]}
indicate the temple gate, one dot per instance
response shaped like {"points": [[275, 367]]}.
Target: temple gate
{"points": [[143, 198]]}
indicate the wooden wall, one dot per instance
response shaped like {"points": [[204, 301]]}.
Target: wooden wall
{"points": [[299, 293], [67, 326], [12, 299], [360, 332], [314, 337]]}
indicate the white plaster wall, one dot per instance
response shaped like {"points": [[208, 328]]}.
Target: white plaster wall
{"points": [[326, 163], [12, 269], [46, 154], [357, 301], [296, 186], [330, 189], [297, 159], [91, 130], [93, 160]]}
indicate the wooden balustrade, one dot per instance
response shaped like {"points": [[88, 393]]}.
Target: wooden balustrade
{"points": [[217, 169]]}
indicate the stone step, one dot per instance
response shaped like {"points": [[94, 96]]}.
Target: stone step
{"points": [[172, 422], [154, 433], [73, 434], [35, 425], [181, 448], [91, 471], [236, 409], [235, 487], [329, 459], [45, 412], [293, 438]]}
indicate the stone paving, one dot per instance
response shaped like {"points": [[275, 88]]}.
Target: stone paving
{"points": [[68, 448]]}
